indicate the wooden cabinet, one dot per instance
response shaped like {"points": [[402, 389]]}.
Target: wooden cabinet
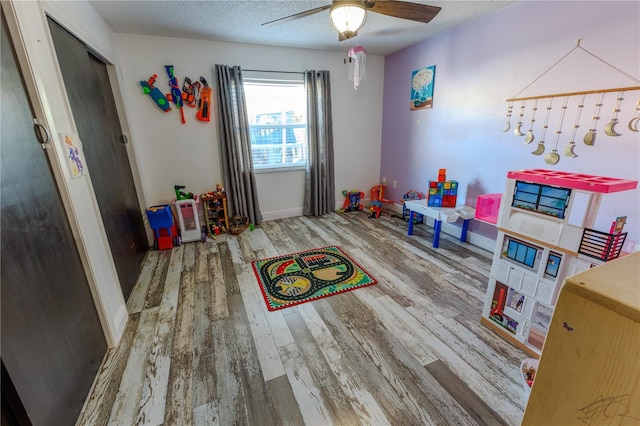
{"points": [[215, 213], [589, 371]]}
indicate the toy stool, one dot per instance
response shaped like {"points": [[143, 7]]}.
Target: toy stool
{"points": [[165, 230]]}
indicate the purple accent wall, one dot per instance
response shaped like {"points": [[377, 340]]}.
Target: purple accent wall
{"points": [[512, 53]]}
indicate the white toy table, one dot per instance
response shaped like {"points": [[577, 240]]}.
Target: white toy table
{"points": [[439, 215]]}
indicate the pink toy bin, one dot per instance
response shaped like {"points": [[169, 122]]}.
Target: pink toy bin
{"points": [[487, 208]]}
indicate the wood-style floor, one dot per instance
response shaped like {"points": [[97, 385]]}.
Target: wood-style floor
{"points": [[201, 348]]}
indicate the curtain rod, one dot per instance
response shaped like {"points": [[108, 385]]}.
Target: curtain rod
{"points": [[279, 72]]}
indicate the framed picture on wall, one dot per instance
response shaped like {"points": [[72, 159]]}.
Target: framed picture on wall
{"points": [[422, 81]]}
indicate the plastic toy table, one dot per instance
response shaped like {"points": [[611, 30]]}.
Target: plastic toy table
{"points": [[439, 215]]}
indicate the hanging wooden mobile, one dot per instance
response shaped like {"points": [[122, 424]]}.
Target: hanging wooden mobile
{"points": [[530, 137], [553, 157], [517, 131], [568, 150], [590, 136], [507, 125], [610, 128], [545, 126], [633, 124]]}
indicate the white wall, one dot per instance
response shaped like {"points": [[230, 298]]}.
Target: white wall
{"points": [[170, 153], [162, 151]]}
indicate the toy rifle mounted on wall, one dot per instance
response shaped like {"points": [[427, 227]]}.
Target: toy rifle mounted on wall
{"points": [[158, 97], [204, 103], [175, 96], [190, 92]]}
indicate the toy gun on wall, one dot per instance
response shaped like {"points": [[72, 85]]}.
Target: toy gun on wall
{"points": [[204, 103], [175, 96], [190, 92], [158, 97]]}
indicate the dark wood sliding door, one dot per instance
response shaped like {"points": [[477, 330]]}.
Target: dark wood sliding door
{"points": [[52, 340], [89, 91]]}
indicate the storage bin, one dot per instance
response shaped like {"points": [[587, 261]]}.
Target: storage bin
{"points": [[487, 208]]}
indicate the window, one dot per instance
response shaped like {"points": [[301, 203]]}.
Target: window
{"points": [[277, 112], [541, 198], [521, 253]]}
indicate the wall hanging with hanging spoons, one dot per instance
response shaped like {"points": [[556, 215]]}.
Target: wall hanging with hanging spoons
{"points": [[517, 130], [589, 137], [507, 124], [633, 124], [530, 136], [553, 157], [610, 128], [568, 150], [540, 149]]}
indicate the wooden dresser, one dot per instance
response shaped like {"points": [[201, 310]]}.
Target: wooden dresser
{"points": [[589, 372]]}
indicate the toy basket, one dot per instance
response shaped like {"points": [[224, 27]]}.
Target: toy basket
{"points": [[238, 225]]}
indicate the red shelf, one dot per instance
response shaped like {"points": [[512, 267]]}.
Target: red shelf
{"points": [[579, 181]]}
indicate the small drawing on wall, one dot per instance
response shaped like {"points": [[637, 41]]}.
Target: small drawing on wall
{"points": [[75, 159], [422, 81]]}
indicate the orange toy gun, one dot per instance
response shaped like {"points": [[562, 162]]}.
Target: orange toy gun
{"points": [[204, 103], [190, 92]]}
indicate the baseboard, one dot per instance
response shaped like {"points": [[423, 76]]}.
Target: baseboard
{"points": [[281, 214], [478, 240], [119, 325]]}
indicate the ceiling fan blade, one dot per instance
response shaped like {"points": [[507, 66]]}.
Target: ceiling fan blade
{"points": [[402, 9], [299, 15]]}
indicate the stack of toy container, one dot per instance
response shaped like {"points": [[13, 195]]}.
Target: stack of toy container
{"points": [[443, 192]]}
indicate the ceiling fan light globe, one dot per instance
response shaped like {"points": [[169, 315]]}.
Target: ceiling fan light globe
{"points": [[347, 17]]}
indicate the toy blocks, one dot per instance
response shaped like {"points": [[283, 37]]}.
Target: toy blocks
{"points": [[442, 193]]}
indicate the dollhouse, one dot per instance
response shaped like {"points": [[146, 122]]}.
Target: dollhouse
{"points": [[545, 234]]}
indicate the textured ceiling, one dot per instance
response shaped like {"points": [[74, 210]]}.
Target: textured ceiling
{"points": [[240, 21]]}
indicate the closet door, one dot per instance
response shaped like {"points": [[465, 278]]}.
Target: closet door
{"points": [[52, 340], [89, 91]]}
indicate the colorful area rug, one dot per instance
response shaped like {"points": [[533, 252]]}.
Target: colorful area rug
{"points": [[308, 275]]}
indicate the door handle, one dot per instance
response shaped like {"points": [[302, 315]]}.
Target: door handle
{"points": [[42, 133], [125, 139]]}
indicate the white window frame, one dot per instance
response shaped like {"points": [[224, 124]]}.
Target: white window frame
{"points": [[296, 126]]}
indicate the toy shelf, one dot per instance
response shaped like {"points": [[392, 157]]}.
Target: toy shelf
{"points": [[215, 213]]}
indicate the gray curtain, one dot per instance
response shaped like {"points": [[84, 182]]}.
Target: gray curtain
{"points": [[235, 145], [319, 192]]}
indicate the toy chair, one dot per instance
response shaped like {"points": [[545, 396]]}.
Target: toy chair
{"points": [[377, 200]]}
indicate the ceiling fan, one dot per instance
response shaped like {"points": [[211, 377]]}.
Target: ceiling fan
{"points": [[348, 16]]}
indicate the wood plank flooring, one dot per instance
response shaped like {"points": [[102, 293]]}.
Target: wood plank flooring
{"points": [[201, 348]]}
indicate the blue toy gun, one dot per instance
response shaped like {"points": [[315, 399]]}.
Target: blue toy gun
{"points": [[175, 96], [158, 97]]}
